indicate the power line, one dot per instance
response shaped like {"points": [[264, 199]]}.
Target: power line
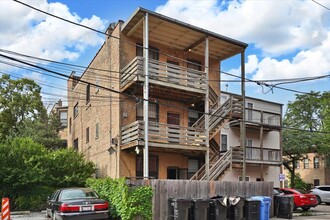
{"points": [[258, 82], [321, 5], [141, 99], [92, 29]]}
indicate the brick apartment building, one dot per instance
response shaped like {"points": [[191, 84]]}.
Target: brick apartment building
{"points": [[170, 81], [314, 169], [62, 113]]}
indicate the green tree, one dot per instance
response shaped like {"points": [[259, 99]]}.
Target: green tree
{"points": [[29, 171], [22, 113], [307, 123]]}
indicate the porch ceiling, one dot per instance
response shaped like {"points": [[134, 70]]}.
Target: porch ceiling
{"points": [[182, 36]]}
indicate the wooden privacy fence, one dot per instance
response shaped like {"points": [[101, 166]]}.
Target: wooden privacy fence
{"points": [[188, 189]]}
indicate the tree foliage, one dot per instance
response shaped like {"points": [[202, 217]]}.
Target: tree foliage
{"points": [[125, 202], [22, 113], [308, 123], [28, 168]]}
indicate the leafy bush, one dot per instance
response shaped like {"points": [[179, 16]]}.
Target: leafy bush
{"points": [[299, 183], [30, 172], [125, 202]]}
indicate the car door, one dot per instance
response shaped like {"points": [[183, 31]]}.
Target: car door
{"points": [[51, 201]]}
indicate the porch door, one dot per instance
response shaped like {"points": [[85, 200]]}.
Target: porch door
{"points": [[173, 119]]}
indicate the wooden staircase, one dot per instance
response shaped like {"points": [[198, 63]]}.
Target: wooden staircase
{"points": [[220, 114]]}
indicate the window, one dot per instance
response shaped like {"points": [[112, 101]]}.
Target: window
{"points": [[64, 119], [193, 166], [316, 163], [153, 111], [194, 64], [306, 163], [153, 52], [153, 166], [75, 144], [88, 93], [224, 142], [87, 135], [70, 125], [249, 143], [316, 182], [192, 117], [97, 128], [297, 164], [75, 110], [247, 178], [176, 173]]}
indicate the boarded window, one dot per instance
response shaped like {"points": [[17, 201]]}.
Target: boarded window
{"points": [[153, 166], [88, 93], [153, 111], [87, 135], [75, 110]]}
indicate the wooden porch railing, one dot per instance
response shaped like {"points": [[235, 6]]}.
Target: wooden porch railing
{"points": [[164, 133], [163, 73]]}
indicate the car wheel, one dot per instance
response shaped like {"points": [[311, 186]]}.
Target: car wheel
{"points": [[318, 200], [327, 203], [305, 209]]}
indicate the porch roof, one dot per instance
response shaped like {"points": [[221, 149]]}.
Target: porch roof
{"points": [[180, 35]]}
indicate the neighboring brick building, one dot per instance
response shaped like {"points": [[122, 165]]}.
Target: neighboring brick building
{"points": [[107, 106], [62, 113], [314, 169]]}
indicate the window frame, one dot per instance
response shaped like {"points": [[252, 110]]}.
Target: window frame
{"points": [[306, 165], [87, 135], [76, 110], [88, 93], [316, 164]]}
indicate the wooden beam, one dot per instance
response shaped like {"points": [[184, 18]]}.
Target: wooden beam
{"points": [[135, 27], [195, 44]]}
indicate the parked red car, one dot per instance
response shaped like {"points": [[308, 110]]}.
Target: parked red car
{"points": [[301, 200]]}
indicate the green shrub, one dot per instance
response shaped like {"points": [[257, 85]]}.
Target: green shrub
{"points": [[125, 202], [30, 172]]}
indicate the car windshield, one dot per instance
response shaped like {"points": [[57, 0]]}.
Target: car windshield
{"points": [[77, 194]]}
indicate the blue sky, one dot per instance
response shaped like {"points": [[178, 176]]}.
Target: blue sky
{"points": [[287, 39]]}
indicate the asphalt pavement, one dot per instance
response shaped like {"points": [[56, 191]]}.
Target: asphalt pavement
{"points": [[321, 212]]}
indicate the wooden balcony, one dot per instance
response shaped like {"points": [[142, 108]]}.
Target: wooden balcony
{"points": [[269, 156], [257, 118], [164, 136], [164, 75]]}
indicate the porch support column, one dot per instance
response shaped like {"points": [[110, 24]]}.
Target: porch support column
{"points": [[207, 111], [242, 127], [146, 97], [262, 149]]}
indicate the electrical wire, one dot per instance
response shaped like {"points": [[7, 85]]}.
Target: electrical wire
{"points": [[141, 99], [169, 55], [321, 5]]}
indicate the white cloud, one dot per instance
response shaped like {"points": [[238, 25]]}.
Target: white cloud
{"points": [[306, 63], [276, 27], [30, 32]]}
